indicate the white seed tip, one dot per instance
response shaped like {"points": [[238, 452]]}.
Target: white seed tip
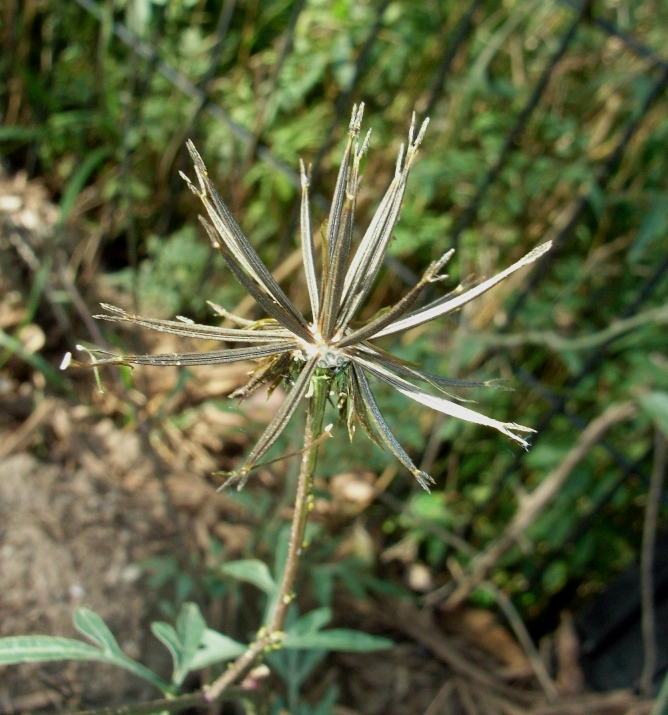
{"points": [[422, 131], [329, 427], [303, 175], [536, 253], [400, 159], [411, 131], [67, 359], [365, 143]]}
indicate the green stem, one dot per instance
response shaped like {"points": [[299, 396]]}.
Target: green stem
{"points": [[314, 420], [271, 636]]}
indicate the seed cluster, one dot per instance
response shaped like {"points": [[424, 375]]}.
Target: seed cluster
{"points": [[289, 347]]}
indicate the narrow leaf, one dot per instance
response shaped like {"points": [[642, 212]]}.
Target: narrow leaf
{"points": [[39, 649], [190, 626], [214, 648], [92, 626], [370, 253], [35, 360], [166, 634], [216, 357], [375, 326], [76, 182], [267, 302], [308, 249], [440, 404], [193, 330], [252, 571], [278, 424], [337, 639], [311, 622], [235, 242]]}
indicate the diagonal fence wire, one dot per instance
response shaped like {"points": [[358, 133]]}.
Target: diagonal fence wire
{"points": [[189, 89], [609, 28], [511, 141], [452, 45]]}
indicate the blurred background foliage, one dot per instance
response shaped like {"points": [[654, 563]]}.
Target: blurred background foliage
{"points": [[547, 119]]}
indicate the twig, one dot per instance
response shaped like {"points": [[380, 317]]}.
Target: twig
{"points": [[78, 302], [617, 702], [419, 626], [312, 434], [288, 266], [532, 506], [554, 341], [437, 705], [522, 635], [24, 432], [465, 697], [647, 562]]}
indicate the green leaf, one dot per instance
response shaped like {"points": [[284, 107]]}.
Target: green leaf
{"points": [[166, 634], [182, 642], [89, 624], [39, 649], [252, 571], [311, 622], [655, 404], [337, 639], [660, 706], [215, 648], [190, 626], [555, 576], [329, 700], [322, 583], [92, 626], [8, 134]]}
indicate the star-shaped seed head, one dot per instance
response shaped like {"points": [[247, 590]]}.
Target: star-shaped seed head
{"points": [[330, 345]]}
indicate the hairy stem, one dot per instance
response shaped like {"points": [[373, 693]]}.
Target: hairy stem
{"points": [[271, 636], [312, 433]]}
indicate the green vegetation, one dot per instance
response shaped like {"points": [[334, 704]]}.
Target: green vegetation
{"points": [[103, 125]]}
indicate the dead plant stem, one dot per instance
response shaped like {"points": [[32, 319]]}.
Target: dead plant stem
{"points": [[303, 499], [270, 637]]}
